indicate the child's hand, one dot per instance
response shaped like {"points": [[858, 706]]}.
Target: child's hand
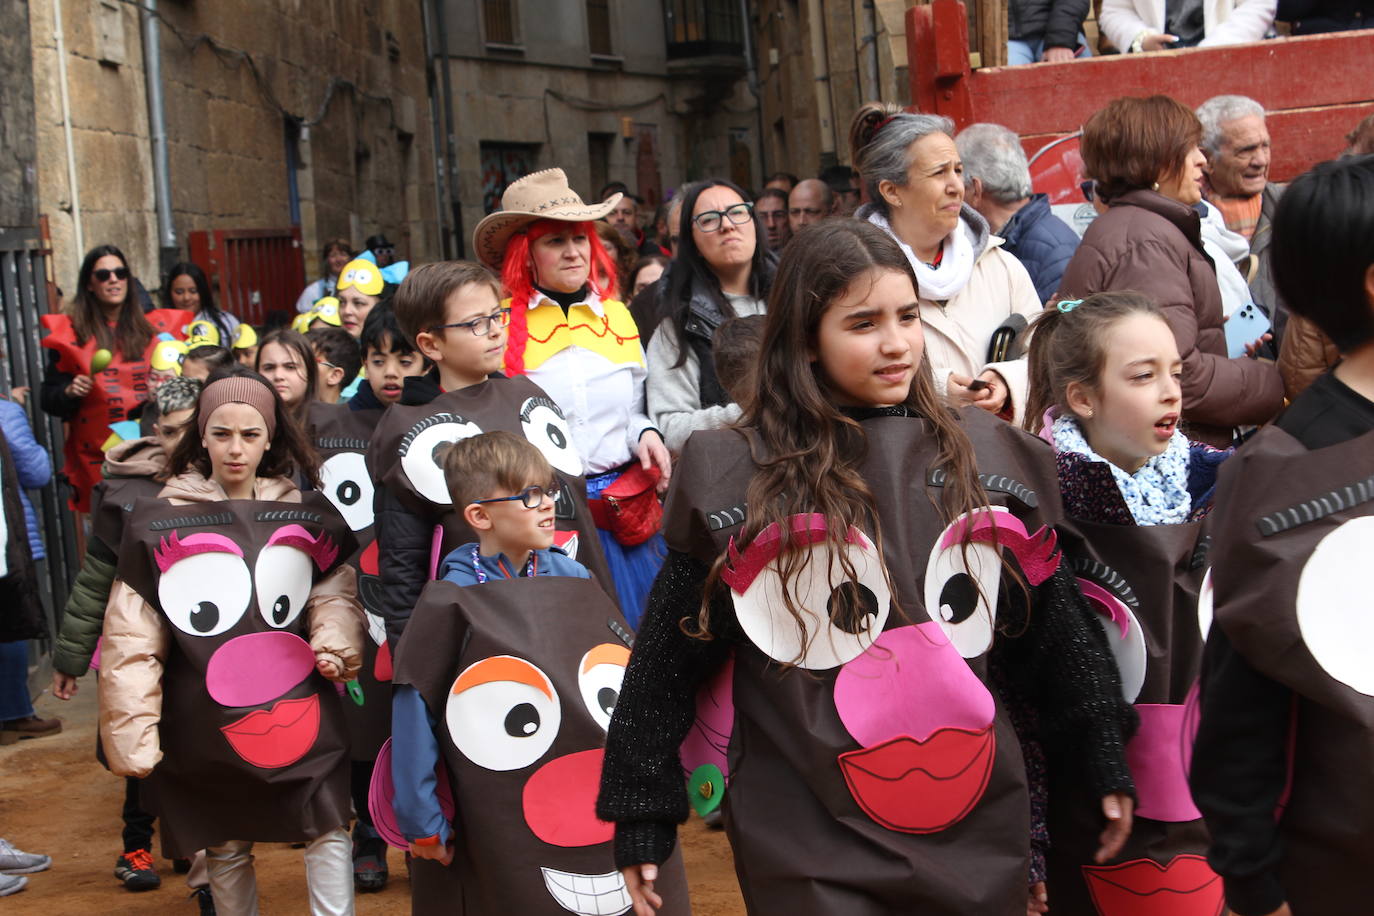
{"points": [[330, 665], [441, 854], [1037, 901], [64, 686], [1117, 808], [639, 881]]}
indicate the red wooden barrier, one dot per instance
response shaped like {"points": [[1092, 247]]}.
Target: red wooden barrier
{"points": [[1315, 88], [256, 273]]}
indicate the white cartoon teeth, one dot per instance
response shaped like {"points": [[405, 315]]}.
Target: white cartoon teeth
{"points": [[588, 895]]}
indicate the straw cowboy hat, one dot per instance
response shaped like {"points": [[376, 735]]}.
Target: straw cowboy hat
{"points": [[541, 195]]}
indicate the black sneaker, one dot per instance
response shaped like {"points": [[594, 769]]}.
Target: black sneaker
{"points": [[369, 859], [135, 869], [204, 900]]}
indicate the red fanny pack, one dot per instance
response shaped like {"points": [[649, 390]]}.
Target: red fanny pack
{"points": [[629, 508]]}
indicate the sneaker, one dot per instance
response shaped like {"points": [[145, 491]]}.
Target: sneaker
{"points": [[204, 900], [30, 727], [12, 884], [135, 869], [369, 859], [17, 862]]}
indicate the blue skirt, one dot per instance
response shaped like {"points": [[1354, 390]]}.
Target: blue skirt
{"points": [[632, 568]]}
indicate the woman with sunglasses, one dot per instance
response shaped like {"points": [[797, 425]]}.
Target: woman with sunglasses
{"points": [[571, 336], [98, 362], [723, 270]]}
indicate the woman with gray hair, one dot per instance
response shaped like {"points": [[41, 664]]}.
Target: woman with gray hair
{"points": [[973, 295]]}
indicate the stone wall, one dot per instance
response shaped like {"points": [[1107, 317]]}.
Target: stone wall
{"points": [[18, 171]]}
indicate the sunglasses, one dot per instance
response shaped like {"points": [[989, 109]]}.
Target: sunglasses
{"points": [[103, 274], [530, 497]]}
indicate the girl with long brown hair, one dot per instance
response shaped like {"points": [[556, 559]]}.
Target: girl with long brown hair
{"points": [[846, 566]]}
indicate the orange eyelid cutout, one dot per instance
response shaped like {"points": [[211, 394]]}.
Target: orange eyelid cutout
{"points": [[503, 668], [608, 653]]}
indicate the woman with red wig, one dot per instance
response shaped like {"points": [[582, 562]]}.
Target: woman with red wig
{"points": [[576, 341]]}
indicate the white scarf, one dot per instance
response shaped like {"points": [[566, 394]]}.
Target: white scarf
{"points": [[956, 265], [1157, 494]]}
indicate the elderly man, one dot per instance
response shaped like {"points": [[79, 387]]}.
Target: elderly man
{"points": [[771, 208], [810, 202], [1236, 144], [997, 184]]}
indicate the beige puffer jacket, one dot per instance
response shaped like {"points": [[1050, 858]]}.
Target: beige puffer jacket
{"points": [[136, 639]]}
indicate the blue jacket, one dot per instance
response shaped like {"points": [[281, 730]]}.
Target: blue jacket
{"points": [[1042, 242], [30, 461], [414, 745]]}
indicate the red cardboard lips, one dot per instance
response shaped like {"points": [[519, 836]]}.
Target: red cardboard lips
{"points": [[1187, 886], [921, 786], [277, 737]]}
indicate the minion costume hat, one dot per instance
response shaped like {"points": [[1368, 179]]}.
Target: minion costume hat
{"points": [[166, 355], [201, 333], [247, 337], [363, 274], [325, 309]]}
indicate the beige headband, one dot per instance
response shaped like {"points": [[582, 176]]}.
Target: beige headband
{"points": [[239, 389]]}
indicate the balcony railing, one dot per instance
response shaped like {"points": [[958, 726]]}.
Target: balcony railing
{"points": [[704, 29]]}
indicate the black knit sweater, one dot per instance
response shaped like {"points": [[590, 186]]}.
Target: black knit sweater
{"points": [[1051, 650]]}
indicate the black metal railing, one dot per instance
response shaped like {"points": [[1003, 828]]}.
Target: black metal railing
{"points": [[703, 28]]}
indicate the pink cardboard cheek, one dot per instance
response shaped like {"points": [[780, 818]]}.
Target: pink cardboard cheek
{"points": [[253, 669], [709, 738], [1155, 756], [911, 681]]}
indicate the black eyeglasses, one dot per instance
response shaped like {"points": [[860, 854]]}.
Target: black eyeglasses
{"points": [[711, 220], [1088, 188], [103, 274], [530, 497], [480, 327]]}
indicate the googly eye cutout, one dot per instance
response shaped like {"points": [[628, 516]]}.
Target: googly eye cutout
{"points": [[961, 588], [346, 482], [421, 455], [1204, 604], [598, 678], [1335, 628], [205, 585], [545, 426], [1124, 636], [820, 592], [503, 713], [283, 577]]}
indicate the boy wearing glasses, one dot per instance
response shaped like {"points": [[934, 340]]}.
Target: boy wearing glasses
{"points": [[504, 485]]}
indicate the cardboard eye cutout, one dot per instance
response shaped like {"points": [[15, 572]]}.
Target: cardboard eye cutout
{"points": [[546, 428], [345, 480], [1337, 629], [757, 590], [503, 713], [961, 589], [205, 585], [420, 458], [282, 575], [167, 356], [1204, 604], [1124, 636], [598, 679]]}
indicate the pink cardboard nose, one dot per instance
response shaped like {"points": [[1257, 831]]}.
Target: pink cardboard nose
{"points": [[253, 669], [560, 801]]}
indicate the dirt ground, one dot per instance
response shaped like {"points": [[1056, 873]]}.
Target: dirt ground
{"points": [[55, 799]]}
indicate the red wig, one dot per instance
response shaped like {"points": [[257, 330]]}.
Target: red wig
{"points": [[518, 277]]}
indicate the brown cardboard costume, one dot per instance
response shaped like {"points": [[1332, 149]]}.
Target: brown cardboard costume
{"points": [[402, 458], [1294, 536], [1144, 582], [879, 775], [341, 437], [252, 738], [521, 676]]}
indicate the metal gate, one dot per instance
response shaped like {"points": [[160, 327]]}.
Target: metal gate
{"points": [[256, 273], [27, 291]]}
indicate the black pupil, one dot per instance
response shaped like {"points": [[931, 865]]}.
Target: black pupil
{"points": [[606, 698], [556, 436], [522, 721], [349, 492], [850, 605], [281, 609], [960, 595], [205, 617]]}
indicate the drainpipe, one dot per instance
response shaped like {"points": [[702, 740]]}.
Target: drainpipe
{"points": [[72, 185], [753, 82], [157, 127], [455, 198], [870, 46], [820, 71], [441, 189]]}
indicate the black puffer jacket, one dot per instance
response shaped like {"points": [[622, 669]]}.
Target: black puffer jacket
{"points": [[1058, 22], [1312, 17]]}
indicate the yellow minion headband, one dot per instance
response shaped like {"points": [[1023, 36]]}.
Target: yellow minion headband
{"points": [[362, 275]]}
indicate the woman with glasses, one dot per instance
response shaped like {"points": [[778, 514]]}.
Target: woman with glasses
{"points": [[570, 336], [973, 294], [98, 362], [723, 270]]}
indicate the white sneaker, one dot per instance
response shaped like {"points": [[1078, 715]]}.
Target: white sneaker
{"points": [[12, 884], [17, 862]]}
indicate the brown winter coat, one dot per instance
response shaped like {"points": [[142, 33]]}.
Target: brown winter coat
{"points": [[1306, 353], [136, 639], [1151, 244]]}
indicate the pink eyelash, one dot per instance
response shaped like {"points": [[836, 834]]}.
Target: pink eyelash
{"points": [[322, 550], [1037, 553], [172, 548], [1107, 604], [745, 567]]}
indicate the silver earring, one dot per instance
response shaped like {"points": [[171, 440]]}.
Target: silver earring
{"points": [[1088, 414]]}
